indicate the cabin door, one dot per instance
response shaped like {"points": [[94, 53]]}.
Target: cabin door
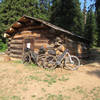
{"points": [[28, 43]]}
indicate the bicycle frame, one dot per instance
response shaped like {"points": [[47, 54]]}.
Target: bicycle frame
{"points": [[62, 56]]}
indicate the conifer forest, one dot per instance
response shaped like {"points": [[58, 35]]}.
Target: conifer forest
{"points": [[64, 13]]}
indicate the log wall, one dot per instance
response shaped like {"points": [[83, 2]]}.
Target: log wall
{"points": [[42, 37]]}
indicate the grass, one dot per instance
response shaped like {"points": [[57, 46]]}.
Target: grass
{"points": [[85, 94], [15, 98], [57, 97], [50, 79], [4, 98], [33, 96], [31, 77], [17, 62], [43, 89], [10, 98], [63, 78]]}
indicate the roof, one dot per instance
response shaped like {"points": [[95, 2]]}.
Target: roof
{"points": [[10, 30]]}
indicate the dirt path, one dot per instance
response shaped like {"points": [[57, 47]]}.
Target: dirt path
{"points": [[19, 82]]}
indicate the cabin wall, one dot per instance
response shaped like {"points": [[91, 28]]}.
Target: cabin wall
{"points": [[16, 44]]}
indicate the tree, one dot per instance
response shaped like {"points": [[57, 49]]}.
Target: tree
{"points": [[67, 14], [12, 10], [98, 19], [91, 28]]}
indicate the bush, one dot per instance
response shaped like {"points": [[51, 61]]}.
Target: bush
{"points": [[3, 47]]}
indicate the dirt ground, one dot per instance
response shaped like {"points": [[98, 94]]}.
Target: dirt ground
{"points": [[19, 82]]}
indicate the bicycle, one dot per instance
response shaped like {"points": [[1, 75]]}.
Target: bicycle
{"points": [[29, 56], [65, 59]]}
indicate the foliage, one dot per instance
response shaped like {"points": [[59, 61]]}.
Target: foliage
{"points": [[11, 11], [64, 13], [98, 19], [68, 15], [91, 28]]}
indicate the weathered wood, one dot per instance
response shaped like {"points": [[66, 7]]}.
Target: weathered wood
{"points": [[16, 45], [17, 38], [16, 41], [10, 30], [16, 48], [17, 25], [24, 20], [32, 28], [15, 56], [17, 53]]}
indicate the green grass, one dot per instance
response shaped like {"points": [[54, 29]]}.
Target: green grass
{"points": [[15, 98], [57, 97], [33, 96], [50, 79], [63, 78], [31, 77], [17, 62], [4, 98], [43, 89]]}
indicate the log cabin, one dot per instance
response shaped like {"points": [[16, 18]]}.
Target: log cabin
{"points": [[33, 33]]}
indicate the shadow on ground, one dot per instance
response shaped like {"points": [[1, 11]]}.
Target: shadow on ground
{"points": [[94, 57], [95, 72]]}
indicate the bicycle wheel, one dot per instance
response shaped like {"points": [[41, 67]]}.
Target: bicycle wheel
{"points": [[40, 60], [26, 59], [49, 62], [72, 63]]}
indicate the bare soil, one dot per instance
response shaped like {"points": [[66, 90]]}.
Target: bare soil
{"points": [[19, 82]]}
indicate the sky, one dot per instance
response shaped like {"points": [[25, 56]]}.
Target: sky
{"points": [[88, 3]]}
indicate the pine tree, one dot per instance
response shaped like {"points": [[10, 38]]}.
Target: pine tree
{"points": [[91, 28], [12, 10], [98, 19], [67, 14]]}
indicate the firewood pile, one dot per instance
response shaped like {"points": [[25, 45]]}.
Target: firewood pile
{"points": [[57, 45]]}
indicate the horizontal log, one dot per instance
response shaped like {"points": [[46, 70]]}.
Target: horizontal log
{"points": [[17, 38], [6, 35], [17, 25], [24, 20], [16, 48], [17, 53], [16, 56], [16, 41], [16, 45], [32, 27], [10, 30], [40, 44], [41, 41]]}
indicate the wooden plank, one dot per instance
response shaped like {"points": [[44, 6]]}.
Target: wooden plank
{"points": [[16, 56], [16, 48], [10, 30], [17, 53], [32, 27], [39, 44], [16, 45], [16, 40], [41, 41]]}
